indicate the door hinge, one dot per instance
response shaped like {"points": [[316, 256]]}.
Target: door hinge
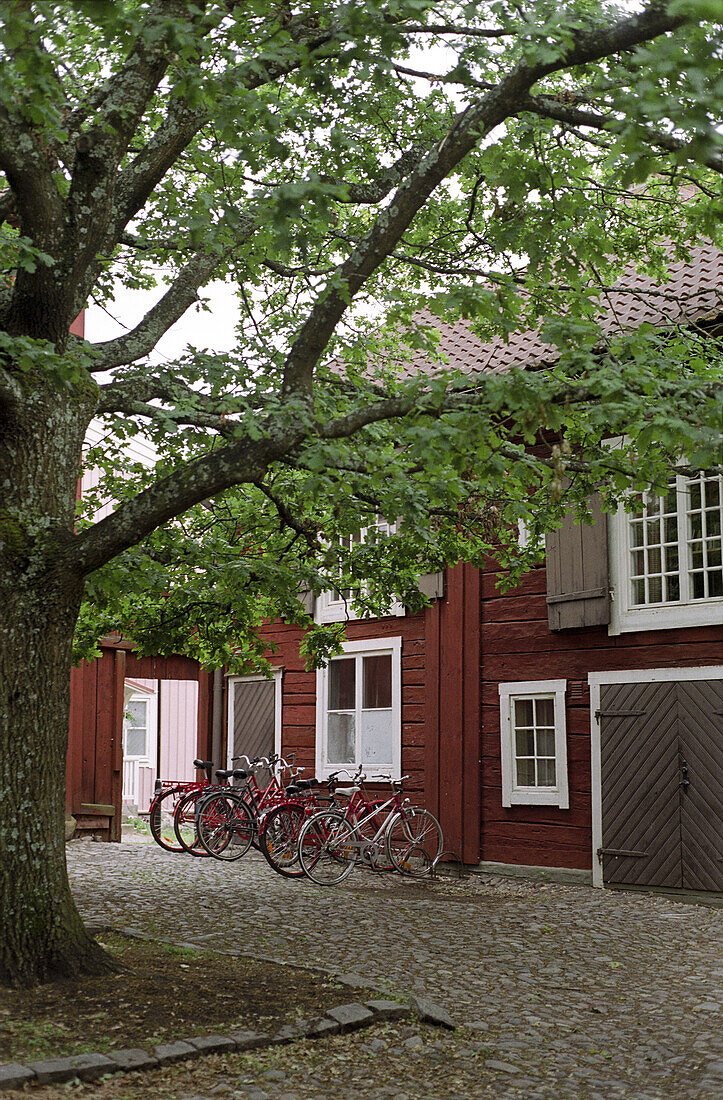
{"points": [[624, 853], [620, 713]]}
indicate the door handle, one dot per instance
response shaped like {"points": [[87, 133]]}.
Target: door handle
{"points": [[684, 780]]}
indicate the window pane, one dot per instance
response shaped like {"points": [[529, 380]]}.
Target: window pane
{"points": [[376, 739], [696, 525], [712, 522], [712, 493], [341, 739], [715, 582], [671, 529], [137, 711], [545, 742], [654, 560], [636, 533], [673, 583], [698, 586], [671, 559], [525, 773], [135, 742], [523, 712], [694, 494], [638, 592], [525, 742], [545, 712], [378, 681], [342, 684], [638, 563], [713, 549], [655, 590], [546, 773]]}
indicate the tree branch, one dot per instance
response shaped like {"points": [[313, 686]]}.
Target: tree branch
{"points": [[240, 462], [182, 293], [469, 128], [549, 107]]}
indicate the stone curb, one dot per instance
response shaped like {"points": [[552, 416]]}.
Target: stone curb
{"points": [[87, 1067], [341, 1018]]}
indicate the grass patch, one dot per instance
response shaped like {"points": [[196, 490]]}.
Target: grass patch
{"points": [[160, 993]]}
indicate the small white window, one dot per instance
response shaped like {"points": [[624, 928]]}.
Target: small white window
{"points": [[534, 743], [137, 719], [358, 709], [337, 606]]}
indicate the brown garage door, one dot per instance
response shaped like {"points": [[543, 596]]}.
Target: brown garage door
{"points": [[662, 776]]}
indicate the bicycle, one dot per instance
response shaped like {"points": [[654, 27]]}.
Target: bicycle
{"points": [[168, 793], [282, 824], [226, 819], [404, 838], [185, 816]]}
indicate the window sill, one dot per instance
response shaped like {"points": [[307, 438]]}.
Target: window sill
{"points": [[670, 617], [537, 796]]}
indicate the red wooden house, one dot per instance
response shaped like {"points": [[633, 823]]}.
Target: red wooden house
{"points": [[574, 722]]}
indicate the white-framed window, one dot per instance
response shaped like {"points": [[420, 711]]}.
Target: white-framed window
{"points": [[359, 709], [533, 743], [666, 563], [337, 606], [139, 722]]}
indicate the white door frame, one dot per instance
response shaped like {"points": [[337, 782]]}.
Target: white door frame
{"points": [[131, 764], [626, 676], [277, 675]]}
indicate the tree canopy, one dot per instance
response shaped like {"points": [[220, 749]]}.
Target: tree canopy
{"points": [[344, 165]]}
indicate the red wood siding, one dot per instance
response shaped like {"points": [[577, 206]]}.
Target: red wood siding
{"points": [[94, 763], [440, 704], [518, 645], [452, 726], [298, 714]]}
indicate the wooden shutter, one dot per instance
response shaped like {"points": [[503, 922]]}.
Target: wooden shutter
{"points": [[578, 592], [432, 585]]}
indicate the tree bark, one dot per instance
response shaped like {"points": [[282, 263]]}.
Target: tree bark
{"points": [[41, 933]]}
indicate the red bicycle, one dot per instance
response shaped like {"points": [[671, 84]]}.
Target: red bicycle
{"points": [[168, 794]]}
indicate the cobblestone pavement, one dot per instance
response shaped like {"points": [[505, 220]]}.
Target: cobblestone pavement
{"points": [[562, 991]]}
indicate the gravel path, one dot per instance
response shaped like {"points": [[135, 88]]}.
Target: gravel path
{"points": [[562, 991]]}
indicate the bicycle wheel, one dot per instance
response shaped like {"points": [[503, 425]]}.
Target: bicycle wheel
{"points": [[414, 841], [328, 848], [280, 839], [224, 825], [184, 823], [161, 819]]}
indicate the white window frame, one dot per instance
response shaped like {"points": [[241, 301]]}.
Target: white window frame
{"points": [[512, 794], [137, 693], [332, 609], [277, 677], [368, 647], [625, 617]]}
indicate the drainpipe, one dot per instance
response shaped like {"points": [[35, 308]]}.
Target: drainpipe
{"points": [[217, 739]]}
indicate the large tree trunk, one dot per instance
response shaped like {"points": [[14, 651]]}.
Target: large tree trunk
{"points": [[41, 932]]}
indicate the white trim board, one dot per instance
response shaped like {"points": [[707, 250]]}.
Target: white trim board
{"points": [[277, 675], [625, 676]]}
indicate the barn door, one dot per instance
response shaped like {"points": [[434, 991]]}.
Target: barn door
{"points": [[252, 717], [700, 711], [662, 823]]}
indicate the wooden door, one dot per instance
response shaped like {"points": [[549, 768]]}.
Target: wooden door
{"points": [[253, 717], [661, 765], [700, 714]]}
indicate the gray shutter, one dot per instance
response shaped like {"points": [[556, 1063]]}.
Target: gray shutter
{"points": [[578, 592], [432, 585]]}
